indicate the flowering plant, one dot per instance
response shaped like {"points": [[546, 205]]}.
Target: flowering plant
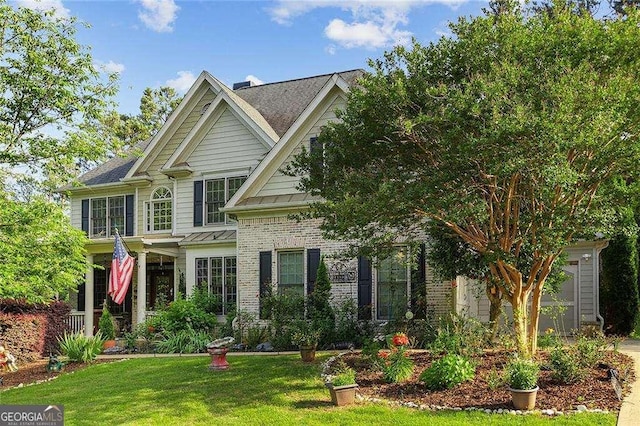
{"points": [[395, 364]]}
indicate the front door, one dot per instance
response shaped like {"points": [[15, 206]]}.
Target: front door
{"points": [[159, 285]]}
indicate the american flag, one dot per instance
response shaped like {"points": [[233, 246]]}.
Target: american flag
{"points": [[121, 271]]}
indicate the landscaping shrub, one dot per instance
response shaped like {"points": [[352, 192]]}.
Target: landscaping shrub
{"points": [[184, 342], [23, 335], [319, 309], [448, 372], [183, 315], [26, 342], [348, 327], [80, 348], [283, 310], [619, 283], [566, 367], [460, 335], [549, 339], [590, 350]]}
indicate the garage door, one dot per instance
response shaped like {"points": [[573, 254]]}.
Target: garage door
{"points": [[560, 310]]}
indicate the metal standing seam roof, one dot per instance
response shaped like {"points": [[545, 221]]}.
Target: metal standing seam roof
{"points": [[207, 237], [280, 105]]}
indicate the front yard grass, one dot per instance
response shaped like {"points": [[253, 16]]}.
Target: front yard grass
{"points": [[256, 390]]}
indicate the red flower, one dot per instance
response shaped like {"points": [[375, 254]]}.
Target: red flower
{"points": [[383, 355], [400, 339]]}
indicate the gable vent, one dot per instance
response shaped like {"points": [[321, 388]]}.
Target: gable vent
{"points": [[242, 84]]}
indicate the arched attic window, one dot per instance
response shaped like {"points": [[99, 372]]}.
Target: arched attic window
{"points": [[159, 210]]}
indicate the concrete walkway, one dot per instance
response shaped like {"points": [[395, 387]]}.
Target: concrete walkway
{"points": [[630, 410]]}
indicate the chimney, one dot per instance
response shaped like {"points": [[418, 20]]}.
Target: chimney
{"points": [[242, 84]]}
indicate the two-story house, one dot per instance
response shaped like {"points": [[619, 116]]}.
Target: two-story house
{"points": [[207, 203]]}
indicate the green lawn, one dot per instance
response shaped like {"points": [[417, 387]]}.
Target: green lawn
{"points": [[257, 390]]}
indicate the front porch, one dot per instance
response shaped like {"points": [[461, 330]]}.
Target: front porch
{"points": [[156, 280]]}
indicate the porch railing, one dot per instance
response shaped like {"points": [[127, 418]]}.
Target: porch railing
{"points": [[75, 320]]}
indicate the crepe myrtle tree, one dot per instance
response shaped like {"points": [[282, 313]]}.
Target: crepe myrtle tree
{"points": [[513, 133]]}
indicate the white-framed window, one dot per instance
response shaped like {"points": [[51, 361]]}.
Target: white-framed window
{"points": [[106, 215], [392, 285], [159, 210], [216, 194], [291, 273], [219, 276]]}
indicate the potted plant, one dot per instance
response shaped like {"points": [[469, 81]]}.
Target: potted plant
{"points": [[218, 351], [107, 327], [306, 338], [522, 377], [342, 387]]}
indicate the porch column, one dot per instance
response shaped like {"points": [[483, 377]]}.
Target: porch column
{"points": [[88, 297], [141, 296]]}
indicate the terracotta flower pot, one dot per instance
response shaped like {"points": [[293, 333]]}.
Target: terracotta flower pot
{"points": [[524, 399], [342, 395], [308, 353], [108, 344]]}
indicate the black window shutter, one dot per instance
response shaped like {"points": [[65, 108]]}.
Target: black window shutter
{"points": [[265, 279], [85, 216], [418, 284], [313, 262], [198, 194], [128, 212], [81, 292], [365, 288], [316, 172]]}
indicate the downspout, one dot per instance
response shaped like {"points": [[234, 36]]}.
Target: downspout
{"points": [[596, 266]]}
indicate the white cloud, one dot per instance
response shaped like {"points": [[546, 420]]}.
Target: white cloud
{"points": [[331, 49], [42, 5], [254, 80], [183, 82], [372, 23], [110, 67], [158, 15]]}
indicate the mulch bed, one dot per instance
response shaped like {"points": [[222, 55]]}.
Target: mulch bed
{"points": [[35, 372], [594, 392]]}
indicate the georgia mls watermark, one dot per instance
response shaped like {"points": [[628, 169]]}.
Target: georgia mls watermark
{"points": [[31, 415]]}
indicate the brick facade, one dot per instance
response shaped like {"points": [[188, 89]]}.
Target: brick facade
{"points": [[279, 233]]}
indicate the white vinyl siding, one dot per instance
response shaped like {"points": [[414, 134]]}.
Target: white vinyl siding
{"points": [[228, 148], [279, 183]]}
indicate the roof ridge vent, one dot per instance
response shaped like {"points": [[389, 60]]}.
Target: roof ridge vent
{"points": [[242, 85]]}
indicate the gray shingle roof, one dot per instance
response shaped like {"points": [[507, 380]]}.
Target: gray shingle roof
{"points": [[282, 103], [279, 103]]}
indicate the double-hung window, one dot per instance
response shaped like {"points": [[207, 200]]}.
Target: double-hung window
{"points": [[291, 273], [392, 286], [217, 193], [219, 276], [159, 210], [107, 215]]}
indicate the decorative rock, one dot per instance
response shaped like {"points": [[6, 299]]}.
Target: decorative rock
{"points": [[513, 412], [500, 411], [457, 409], [518, 412], [581, 408], [547, 412], [488, 411]]}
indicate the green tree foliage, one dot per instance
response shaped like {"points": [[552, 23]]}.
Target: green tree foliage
{"points": [[52, 98], [155, 107], [619, 282], [41, 255], [319, 307], [509, 133]]}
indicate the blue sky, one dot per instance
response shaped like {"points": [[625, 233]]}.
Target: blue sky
{"points": [[152, 43]]}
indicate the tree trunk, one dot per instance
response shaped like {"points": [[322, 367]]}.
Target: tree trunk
{"points": [[519, 305], [495, 308]]}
